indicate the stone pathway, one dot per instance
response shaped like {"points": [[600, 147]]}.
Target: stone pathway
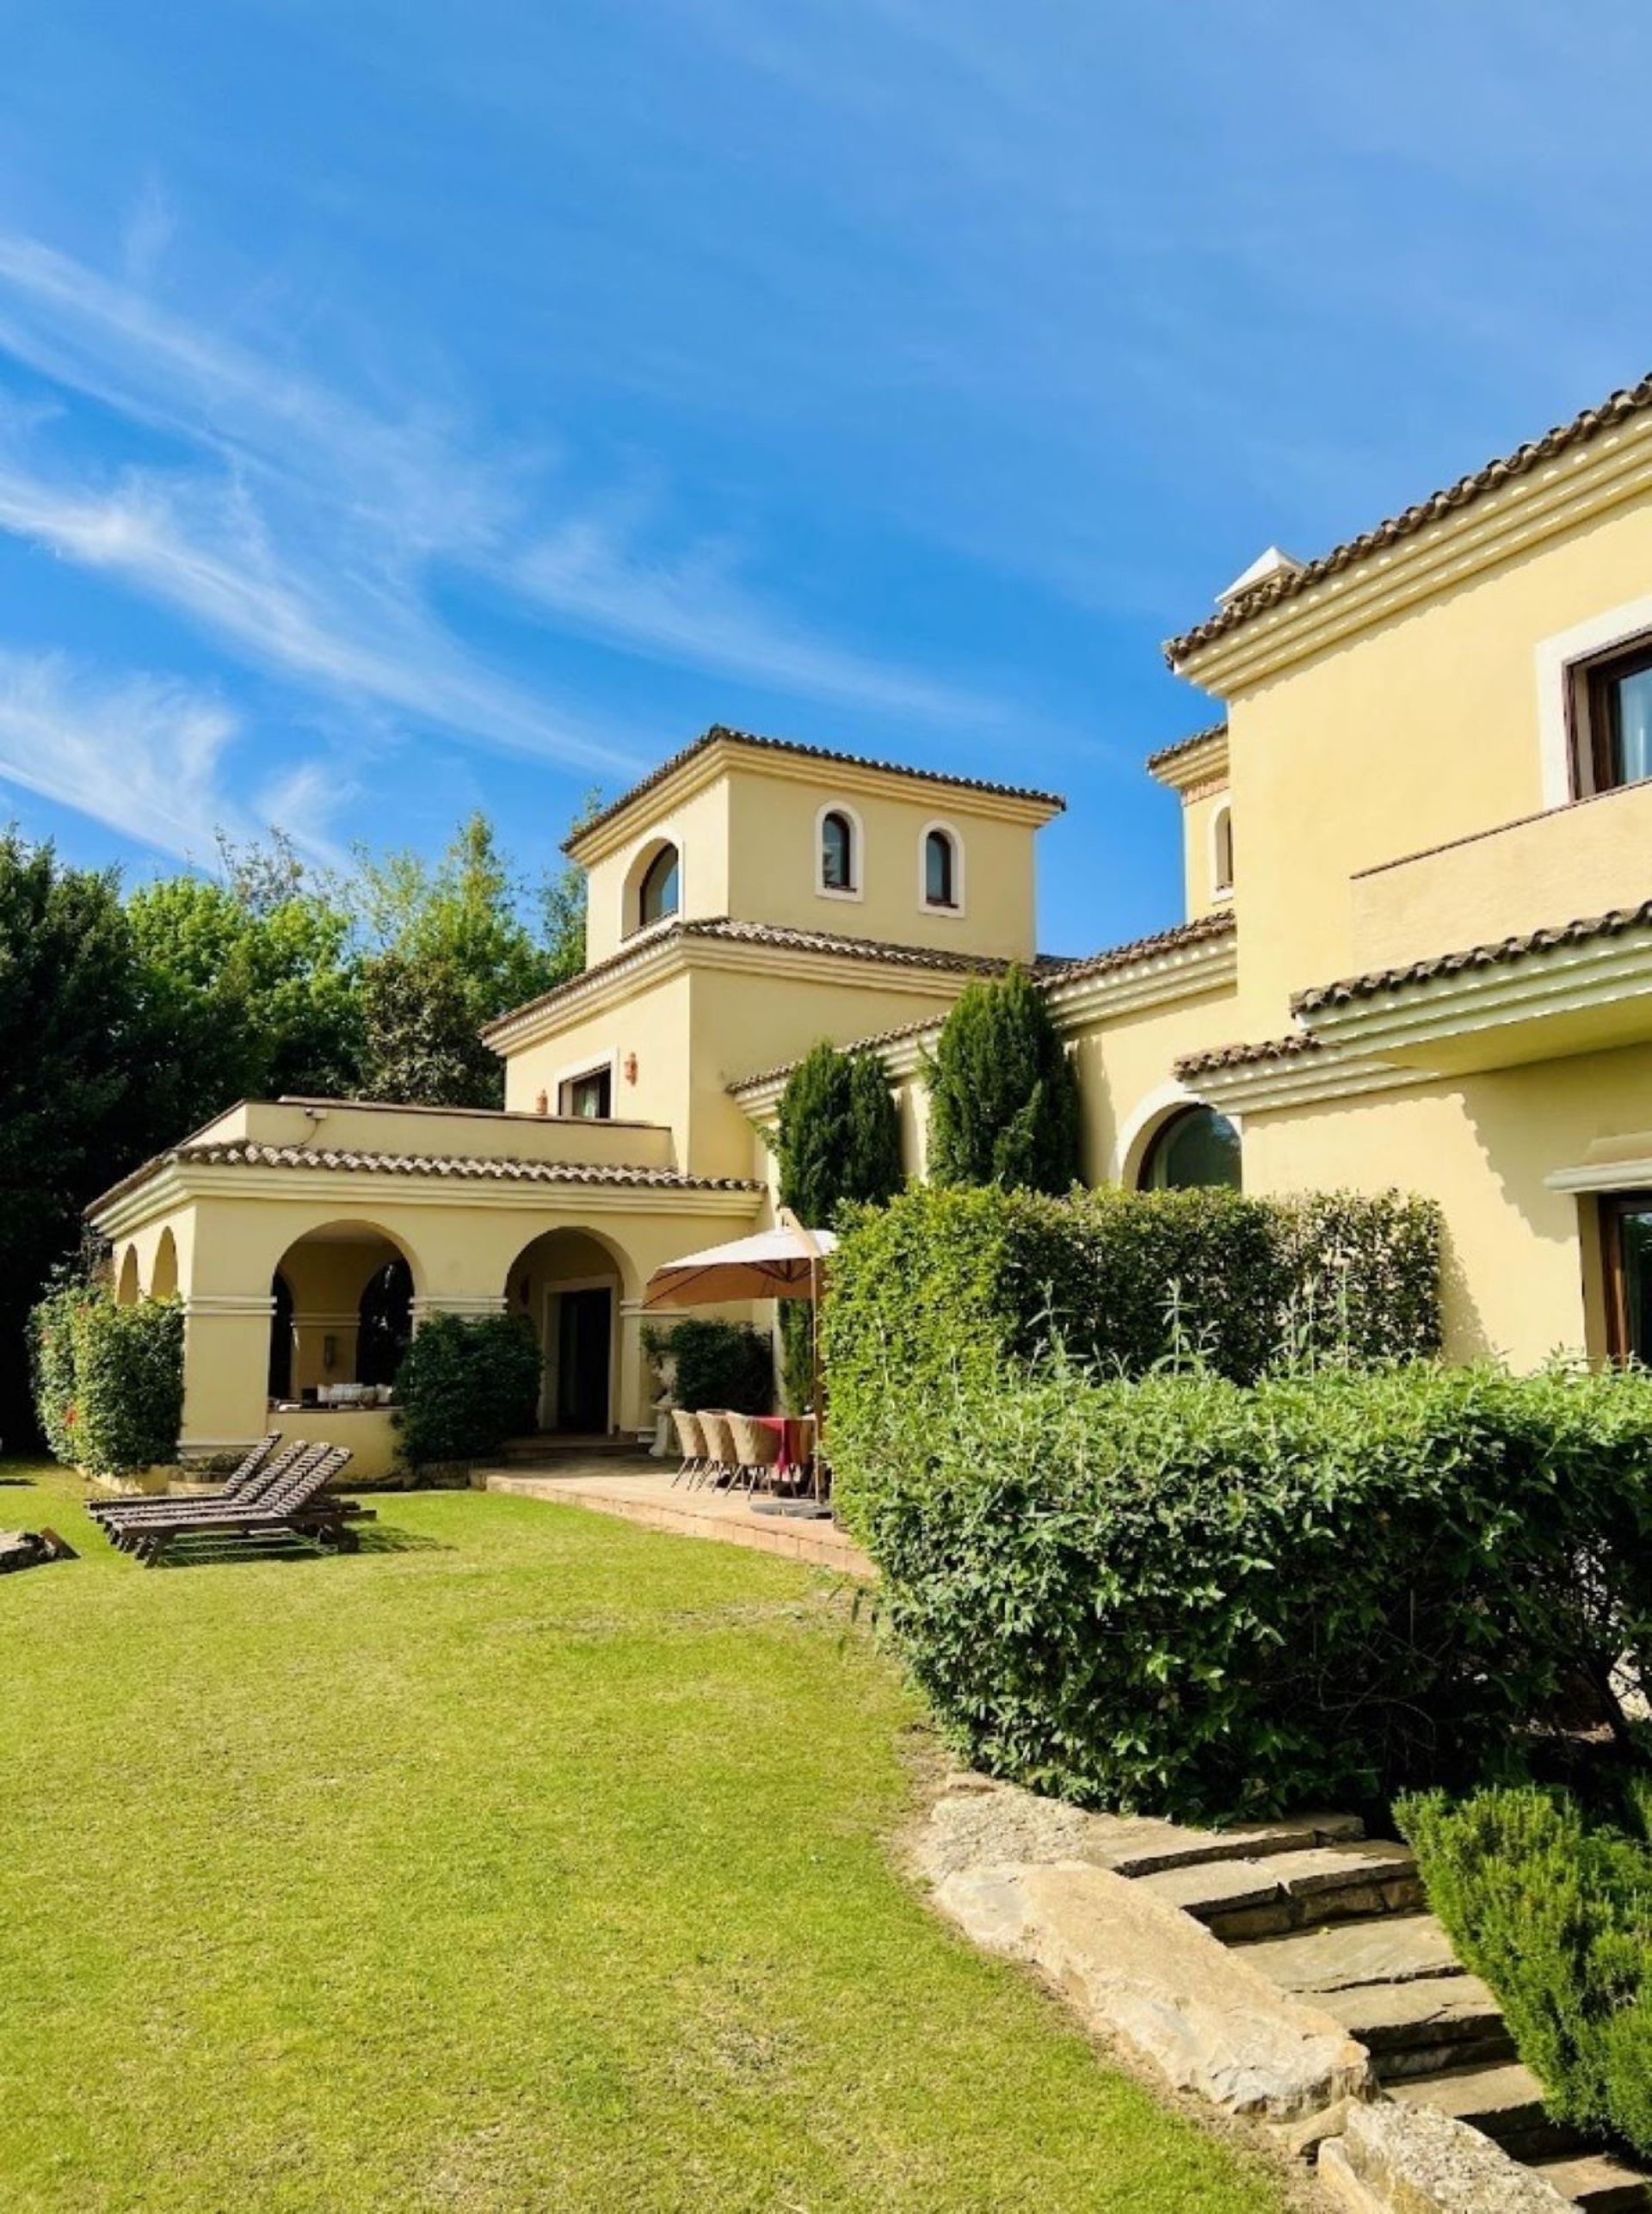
{"points": [[1334, 1924], [639, 1490]]}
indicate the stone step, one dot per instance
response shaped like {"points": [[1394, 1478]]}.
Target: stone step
{"points": [[1504, 2102], [1247, 1898], [1141, 1844], [1340, 1956], [1422, 2027], [1598, 2182]]}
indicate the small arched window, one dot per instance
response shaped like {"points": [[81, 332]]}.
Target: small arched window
{"points": [[939, 869], [836, 851], [659, 893], [1196, 1146], [1221, 851]]}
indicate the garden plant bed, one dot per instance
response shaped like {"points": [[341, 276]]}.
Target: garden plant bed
{"points": [[1288, 1970]]}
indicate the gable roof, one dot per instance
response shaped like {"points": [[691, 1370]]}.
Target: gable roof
{"points": [[1635, 399], [721, 734]]}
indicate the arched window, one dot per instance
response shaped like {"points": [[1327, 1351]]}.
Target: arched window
{"points": [[385, 1322], [1221, 851], [1195, 1146], [659, 893], [836, 851], [939, 869]]}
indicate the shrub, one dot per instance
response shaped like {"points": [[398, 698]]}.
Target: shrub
{"points": [[466, 1384], [1003, 1092], [1214, 1601], [722, 1365], [108, 1381], [945, 1281], [1556, 1916]]}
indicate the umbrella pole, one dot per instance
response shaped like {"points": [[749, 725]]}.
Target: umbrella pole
{"points": [[814, 1355]]}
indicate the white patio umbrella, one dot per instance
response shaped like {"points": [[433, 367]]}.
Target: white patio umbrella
{"points": [[786, 1262]]}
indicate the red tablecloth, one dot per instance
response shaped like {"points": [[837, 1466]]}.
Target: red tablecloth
{"points": [[796, 1436]]}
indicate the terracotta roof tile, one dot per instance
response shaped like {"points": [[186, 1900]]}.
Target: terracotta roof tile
{"points": [[457, 1168], [720, 732], [1239, 1057], [1051, 970], [1634, 400], [1504, 950], [1165, 755], [723, 928]]}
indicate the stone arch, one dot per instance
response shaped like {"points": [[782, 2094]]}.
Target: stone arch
{"points": [[316, 1290], [569, 1282], [163, 1277]]}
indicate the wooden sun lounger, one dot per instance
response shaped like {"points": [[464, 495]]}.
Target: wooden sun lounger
{"points": [[252, 1474], [298, 1507]]}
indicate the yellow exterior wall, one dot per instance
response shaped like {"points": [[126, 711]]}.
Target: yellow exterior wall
{"points": [[1423, 730], [650, 1023], [699, 827]]}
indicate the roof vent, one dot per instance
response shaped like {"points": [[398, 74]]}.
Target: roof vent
{"points": [[1265, 568]]}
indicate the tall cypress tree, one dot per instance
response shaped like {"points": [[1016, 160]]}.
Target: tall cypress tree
{"points": [[1003, 1092], [839, 1140]]}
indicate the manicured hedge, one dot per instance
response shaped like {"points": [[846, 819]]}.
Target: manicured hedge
{"points": [[108, 1381], [1212, 1600], [1556, 1913], [948, 1281], [718, 1364], [466, 1384]]}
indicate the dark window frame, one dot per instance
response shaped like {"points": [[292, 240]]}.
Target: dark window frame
{"points": [[948, 844], [837, 818], [667, 861], [1595, 726], [1164, 1136], [568, 1092], [1614, 1206]]}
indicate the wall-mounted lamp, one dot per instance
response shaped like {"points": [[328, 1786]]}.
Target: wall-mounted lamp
{"points": [[542, 1105], [330, 1352], [630, 1067]]}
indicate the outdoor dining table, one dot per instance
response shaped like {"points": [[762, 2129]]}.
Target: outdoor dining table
{"points": [[797, 1435]]}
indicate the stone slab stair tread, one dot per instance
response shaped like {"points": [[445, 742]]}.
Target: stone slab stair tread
{"points": [[1419, 2028], [1598, 2182], [1504, 2102], [1340, 1955], [1356, 1876], [1139, 1845]]}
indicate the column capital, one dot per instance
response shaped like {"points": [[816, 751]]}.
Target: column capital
{"points": [[229, 1303]]}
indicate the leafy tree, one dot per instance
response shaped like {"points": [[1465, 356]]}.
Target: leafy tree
{"points": [[839, 1141], [421, 1045], [77, 1054], [455, 943], [253, 986], [1003, 1094]]}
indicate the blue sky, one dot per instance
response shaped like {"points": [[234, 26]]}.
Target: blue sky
{"points": [[405, 408]]}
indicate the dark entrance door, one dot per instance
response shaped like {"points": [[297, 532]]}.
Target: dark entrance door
{"points": [[585, 1335], [1626, 1240]]}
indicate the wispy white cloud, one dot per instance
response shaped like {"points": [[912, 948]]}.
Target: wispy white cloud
{"points": [[696, 610], [147, 755], [304, 530]]}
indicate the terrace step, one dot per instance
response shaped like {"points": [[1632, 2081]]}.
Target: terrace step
{"points": [[1422, 2027], [1504, 2103], [1255, 1897], [1600, 2183], [1141, 1844], [1394, 1948]]}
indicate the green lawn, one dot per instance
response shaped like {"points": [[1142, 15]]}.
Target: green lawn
{"points": [[528, 1861]]}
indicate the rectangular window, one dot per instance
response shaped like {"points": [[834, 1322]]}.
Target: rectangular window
{"points": [[590, 1097], [1626, 1250], [1612, 711]]}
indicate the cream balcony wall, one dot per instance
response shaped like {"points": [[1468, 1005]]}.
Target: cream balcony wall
{"points": [[1428, 727], [1583, 859]]}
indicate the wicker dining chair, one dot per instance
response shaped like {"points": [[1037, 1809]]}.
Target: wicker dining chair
{"points": [[760, 1450], [691, 1440]]}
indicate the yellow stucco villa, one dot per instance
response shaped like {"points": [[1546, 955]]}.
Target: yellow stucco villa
{"points": [[1417, 952]]}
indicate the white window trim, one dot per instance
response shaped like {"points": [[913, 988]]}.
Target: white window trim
{"points": [[856, 887], [631, 925], [1556, 660], [1150, 1114], [955, 912], [1222, 812], [604, 1063]]}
